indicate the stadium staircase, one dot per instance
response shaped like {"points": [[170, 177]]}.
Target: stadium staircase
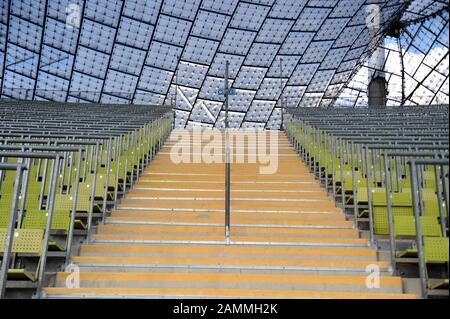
{"points": [[166, 237]]}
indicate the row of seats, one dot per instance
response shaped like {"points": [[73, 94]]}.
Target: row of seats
{"points": [[98, 152], [366, 159]]}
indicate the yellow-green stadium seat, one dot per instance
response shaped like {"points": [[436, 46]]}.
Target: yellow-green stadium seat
{"points": [[405, 226], [361, 182], [7, 185], [430, 203], [405, 183], [32, 201], [429, 179], [380, 218], [100, 184], [38, 220], [26, 241], [436, 251], [401, 205], [63, 202], [4, 219], [5, 209], [34, 187]]}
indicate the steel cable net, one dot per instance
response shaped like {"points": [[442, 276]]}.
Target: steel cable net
{"points": [[416, 65], [282, 53]]}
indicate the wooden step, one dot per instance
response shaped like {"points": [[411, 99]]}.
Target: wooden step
{"points": [[218, 149], [355, 253], [269, 232], [227, 262], [236, 215], [257, 238], [201, 174], [220, 194], [211, 293], [286, 281], [234, 220], [235, 205], [155, 181]]}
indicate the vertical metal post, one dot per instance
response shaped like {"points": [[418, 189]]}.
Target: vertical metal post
{"points": [[23, 193], [74, 206], [333, 178], [389, 190], [326, 150], [85, 161], [108, 165], [440, 200], [355, 206], [227, 160], [152, 140], [116, 185], [444, 175], [369, 198], [374, 166], [48, 225], [127, 152], [63, 173], [10, 231], [146, 145], [2, 160], [402, 65], [398, 173], [93, 187], [176, 82], [308, 141], [91, 156], [69, 180], [315, 148], [39, 162], [419, 241], [319, 155], [134, 136], [139, 148], [44, 180], [341, 170], [281, 92]]}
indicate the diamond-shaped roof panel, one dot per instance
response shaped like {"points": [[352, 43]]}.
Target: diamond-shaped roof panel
{"points": [[281, 53]]}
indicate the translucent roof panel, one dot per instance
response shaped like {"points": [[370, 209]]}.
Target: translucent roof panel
{"points": [[422, 52], [281, 53]]}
